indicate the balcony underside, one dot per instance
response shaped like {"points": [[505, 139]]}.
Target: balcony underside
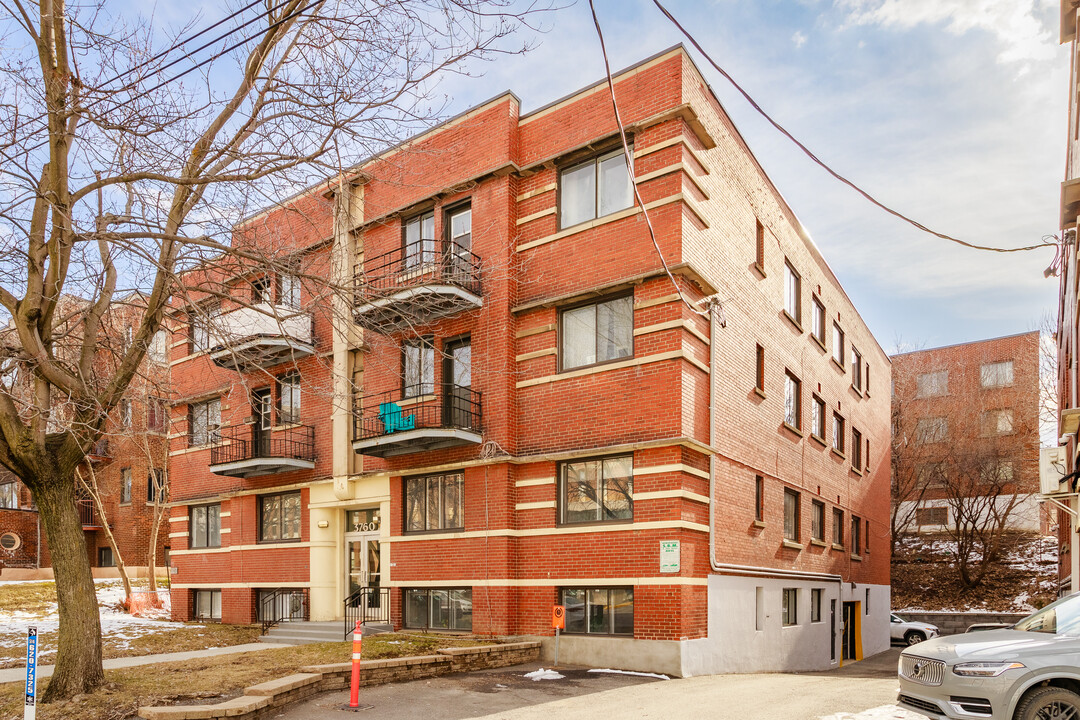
{"points": [[262, 351], [413, 306], [253, 467], [414, 441]]}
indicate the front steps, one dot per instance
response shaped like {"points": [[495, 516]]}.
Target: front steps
{"points": [[301, 632]]}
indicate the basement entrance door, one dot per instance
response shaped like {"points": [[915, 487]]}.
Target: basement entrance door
{"points": [[849, 642]]}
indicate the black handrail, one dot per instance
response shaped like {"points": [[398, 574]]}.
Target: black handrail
{"points": [[419, 263], [245, 442], [367, 604], [272, 611], [430, 406]]}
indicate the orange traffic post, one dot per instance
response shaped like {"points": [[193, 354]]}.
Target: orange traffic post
{"points": [[357, 649], [558, 621]]}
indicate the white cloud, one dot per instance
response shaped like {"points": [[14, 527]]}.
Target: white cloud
{"points": [[799, 39], [1022, 36]]}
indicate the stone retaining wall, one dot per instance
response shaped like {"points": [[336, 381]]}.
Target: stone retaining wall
{"points": [[265, 699], [954, 623]]}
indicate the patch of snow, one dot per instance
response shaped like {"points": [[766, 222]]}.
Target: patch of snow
{"points": [[543, 674], [885, 712], [629, 672]]}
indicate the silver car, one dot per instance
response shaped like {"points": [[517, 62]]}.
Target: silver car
{"points": [[1030, 671], [910, 632]]}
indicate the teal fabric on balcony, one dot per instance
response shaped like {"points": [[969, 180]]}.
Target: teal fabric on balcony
{"points": [[390, 415]]}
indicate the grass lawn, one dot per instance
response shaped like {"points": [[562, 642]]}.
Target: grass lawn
{"points": [[214, 678]]}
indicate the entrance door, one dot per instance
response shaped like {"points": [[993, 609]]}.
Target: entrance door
{"points": [[364, 569], [262, 406], [832, 630], [851, 615], [458, 410]]}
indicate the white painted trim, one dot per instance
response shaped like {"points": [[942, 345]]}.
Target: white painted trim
{"points": [[179, 518], [676, 167], [541, 505], [250, 548], [665, 494], [568, 530], [536, 192], [547, 582], [402, 436], [668, 143], [662, 300], [581, 227], [216, 586], [535, 216], [225, 531], [533, 483], [633, 362], [674, 467], [178, 534], [227, 513], [539, 330], [535, 354], [671, 325], [296, 464]]}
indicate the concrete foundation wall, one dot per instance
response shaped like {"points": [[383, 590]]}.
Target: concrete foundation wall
{"points": [[656, 656]]}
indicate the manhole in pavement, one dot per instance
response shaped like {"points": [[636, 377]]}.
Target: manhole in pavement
{"points": [[357, 708]]}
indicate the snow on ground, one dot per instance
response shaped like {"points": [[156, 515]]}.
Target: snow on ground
{"points": [[885, 712], [629, 672], [543, 674], [117, 626]]}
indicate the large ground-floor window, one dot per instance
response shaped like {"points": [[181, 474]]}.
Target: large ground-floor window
{"points": [[599, 611], [430, 609], [206, 604]]}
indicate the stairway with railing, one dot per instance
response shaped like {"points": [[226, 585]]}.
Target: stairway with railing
{"points": [[282, 604], [368, 605]]}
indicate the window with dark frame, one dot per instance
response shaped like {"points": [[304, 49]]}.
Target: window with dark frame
{"points": [[866, 456], [759, 498], [817, 418], [866, 381], [459, 227], [157, 489], [418, 375], [759, 369], [288, 399], [817, 520], [856, 449], [817, 319], [599, 611], [125, 413], [838, 345], [792, 292], [866, 538], [598, 490], [816, 595], [838, 432], [205, 526], [856, 369], [204, 422], [792, 400], [156, 414], [105, 557], [932, 516], [435, 502], [125, 485], [759, 245], [279, 517], [596, 333], [791, 515], [595, 188], [856, 534], [789, 609], [418, 236], [260, 290], [199, 320], [838, 527], [206, 604], [448, 609], [289, 291]]}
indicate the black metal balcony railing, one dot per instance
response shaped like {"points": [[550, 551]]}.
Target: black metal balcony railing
{"points": [[429, 407], [87, 516], [99, 450], [419, 263], [247, 442]]}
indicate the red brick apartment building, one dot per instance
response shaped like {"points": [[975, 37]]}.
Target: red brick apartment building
{"points": [[515, 409], [966, 423]]}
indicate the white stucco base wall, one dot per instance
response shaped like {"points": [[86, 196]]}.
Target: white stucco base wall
{"points": [[736, 645], [1026, 514]]}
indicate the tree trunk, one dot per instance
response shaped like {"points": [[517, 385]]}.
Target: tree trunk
{"points": [[78, 655], [151, 554]]}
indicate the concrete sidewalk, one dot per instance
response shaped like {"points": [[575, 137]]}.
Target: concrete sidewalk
{"points": [[19, 674]]}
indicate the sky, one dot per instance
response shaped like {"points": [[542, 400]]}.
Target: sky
{"points": [[953, 112]]}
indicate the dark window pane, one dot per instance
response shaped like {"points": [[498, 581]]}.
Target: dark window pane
{"points": [[574, 602], [622, 610], [599, 612]]}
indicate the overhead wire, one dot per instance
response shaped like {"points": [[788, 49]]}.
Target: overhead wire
{"points": [[820, 162]]}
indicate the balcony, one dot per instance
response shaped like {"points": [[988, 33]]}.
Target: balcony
{"points": [[398, 423], [245, 451], [99, 452], [87, 514], [415, 285], [261, 336]]}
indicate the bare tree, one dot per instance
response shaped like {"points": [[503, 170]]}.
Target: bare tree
{"points": [[123, 168]]}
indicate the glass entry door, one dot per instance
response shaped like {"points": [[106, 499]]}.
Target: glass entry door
{"points": [[363, 559]]}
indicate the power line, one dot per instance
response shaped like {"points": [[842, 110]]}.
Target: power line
{"points": [[818, 160]]}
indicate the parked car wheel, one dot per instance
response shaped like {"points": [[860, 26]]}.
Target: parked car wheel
{"points": [[914, 637], [1049, 703]]}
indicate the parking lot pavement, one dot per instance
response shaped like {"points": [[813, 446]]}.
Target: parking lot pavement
{"points": [[506, 695]]}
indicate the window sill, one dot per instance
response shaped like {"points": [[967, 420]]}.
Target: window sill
{"points": [[289, 541], [761, 270], [856, 471], [204, 547], [586, 523], [818, 543], [857, 390], [839, 453], [838, 365], [819, 342], [433, 531], [820, 440], [415, 399], [837, 546], [759, 523], [798, 326], [760, 393], [856, 557], [792, 429], [792, 545]]}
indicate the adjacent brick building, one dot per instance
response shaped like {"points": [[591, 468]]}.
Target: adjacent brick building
{"points": [[966, 425], [525, 409]]}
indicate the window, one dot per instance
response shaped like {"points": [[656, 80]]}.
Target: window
{"points": [[932, 516], [856, 449], [817, 320], [597, 490], [279, 517], [289, 291], [205, 526], [759, 381], [931, 430], [931, 475], [999, 374], [125, 485], [792, 401], [759, 498], [759, 245], [125, 413], [105, 557], [429, 609], [459, 224], [157, 490], [419, 239], [204, 422], [791, 515], [856, 531], [419, 372], [838, 433], [201, 319], [996, 422], [838, 345], [866, 538], [838, 527], [996, 472], [866, 458], [789, 612], [817, 418], [158, 352], [759, 608], [260, 290], [435, 502], [932, 384], [597, 333], [594, 189], [155, 415], [599, 611], [817, 520], [9, 496], [206, 604], [289, 399], [129, 335], [816, 595], [792, 293], [866, 381], [856, 369]]}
